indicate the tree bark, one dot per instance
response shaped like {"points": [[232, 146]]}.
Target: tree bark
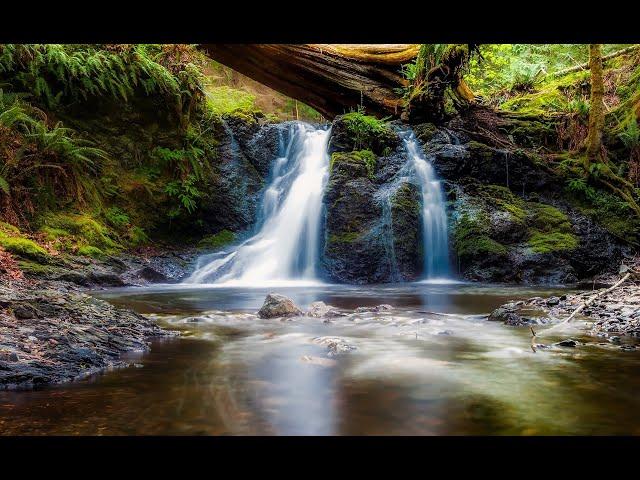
{"points": [[333, 79], [596, 106]]}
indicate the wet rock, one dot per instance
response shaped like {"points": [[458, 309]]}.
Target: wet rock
{"points": [[106, 279], [569, 342], [335, 345], [378, 308], [75, 277], [24, 312], [505, 315], [446, 332], [322, 310], [276, 305], [551, 301], [151, 275]]}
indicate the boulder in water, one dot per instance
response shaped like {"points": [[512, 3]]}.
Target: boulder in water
{"points": [[506, 316], [276, 305], [322, 310]]}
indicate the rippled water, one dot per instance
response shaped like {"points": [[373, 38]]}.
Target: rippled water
{"points": [[432, 366]]}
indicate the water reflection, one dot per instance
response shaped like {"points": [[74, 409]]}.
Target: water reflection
{"points": [[431, 366]]}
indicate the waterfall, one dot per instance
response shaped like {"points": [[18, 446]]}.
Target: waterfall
{"points": [[286, 245], [434, 215]]}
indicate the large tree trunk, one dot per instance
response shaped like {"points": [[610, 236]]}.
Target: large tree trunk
{"points": [[596, 106], [333, 79]]}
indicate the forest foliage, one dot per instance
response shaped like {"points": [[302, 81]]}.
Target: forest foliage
{"points": [[103, 147]]}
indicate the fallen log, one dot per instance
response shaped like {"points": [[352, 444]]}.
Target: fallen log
{"points": [[336, 79], [585, 66]]}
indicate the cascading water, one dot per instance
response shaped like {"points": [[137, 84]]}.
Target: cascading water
{"points": [[286, 246], [434, 215]]}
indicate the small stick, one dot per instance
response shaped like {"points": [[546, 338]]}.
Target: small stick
{"points": [[533, 337]]}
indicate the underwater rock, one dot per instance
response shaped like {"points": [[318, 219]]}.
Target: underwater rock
{"points": [[276, 305]]}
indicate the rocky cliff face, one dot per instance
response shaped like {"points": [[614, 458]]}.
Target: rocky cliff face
{"points": [[247, 148], [372, 228], [509, 217], [510, 220]]}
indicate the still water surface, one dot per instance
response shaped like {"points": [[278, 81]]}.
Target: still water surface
{"points": [[431, 366]]}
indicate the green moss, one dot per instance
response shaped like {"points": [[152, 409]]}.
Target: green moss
{"points": [[365, 130], [503, 199], [552, 242], [346, 237], [225, 100], [137, 236], [471, 238], [546, 218], [35, 268], [360, 157], [558, 95], [481, 245], [83, 230], [217, 240], [23, 247], [91, 251], [7, 227], [405, 199]]}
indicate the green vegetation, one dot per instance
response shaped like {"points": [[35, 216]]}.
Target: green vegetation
{"points": [[218, 240], [228, 101], [552, 242], [23, 247], [363, 158], [347, 237], [365, 130], [471, 238]]}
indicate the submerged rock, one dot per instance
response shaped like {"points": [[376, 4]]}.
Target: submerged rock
{"points": [[335, 345], [569, 342], [276, 305], [378, 308]]}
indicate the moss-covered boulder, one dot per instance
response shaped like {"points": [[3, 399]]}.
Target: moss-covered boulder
{"points": [[356, 131]]}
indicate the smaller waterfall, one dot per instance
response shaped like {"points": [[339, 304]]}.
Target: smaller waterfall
{"points": [[285, 247], [434, 215]]}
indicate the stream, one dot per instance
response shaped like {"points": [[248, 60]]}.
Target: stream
{"points": [[433, 365]]}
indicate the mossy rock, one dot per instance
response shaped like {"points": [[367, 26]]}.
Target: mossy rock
{"points": [[356, 131], [23, 247], [425, 131], [36, 269], [471, 237], [91, 251], [359, 163], [541, 242], [218, 240], [346, 237], [81, 229], [546, 218]]}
